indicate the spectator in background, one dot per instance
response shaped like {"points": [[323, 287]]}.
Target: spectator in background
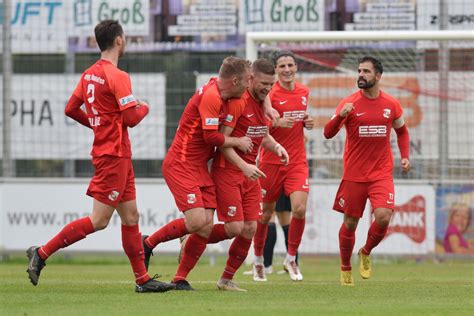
{"points": [[458, 223]]}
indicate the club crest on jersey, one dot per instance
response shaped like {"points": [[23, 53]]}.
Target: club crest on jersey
{"points": [[264, 192], [341, 202], [113, 195], [229, 118], [386, 113], [232, 210], [304, 101], [212, 121], [191, 198]]}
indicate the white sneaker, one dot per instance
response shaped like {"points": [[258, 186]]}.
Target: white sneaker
{"points": [[259, 273], [268, 270], [293, 270], [228, 285]]}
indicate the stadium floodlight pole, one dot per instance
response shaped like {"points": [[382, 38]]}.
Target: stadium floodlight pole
{"points": [[443, 84], [7, 162], [252, 38]]}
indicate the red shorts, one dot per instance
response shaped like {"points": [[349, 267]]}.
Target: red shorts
{"points": [[191, 185], [288, 179], [113, 181], [238, 198], [352, 196]]}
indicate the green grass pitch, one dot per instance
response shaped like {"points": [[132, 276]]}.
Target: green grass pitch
{"points": [[86, 285]]}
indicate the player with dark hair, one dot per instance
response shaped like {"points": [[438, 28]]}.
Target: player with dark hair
{"points": [[290, 99], [368, 116], [110, 108]]}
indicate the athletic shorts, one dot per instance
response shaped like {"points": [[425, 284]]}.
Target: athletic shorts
{"points": [[113, 181], [286, 179], [352, 196], [191, 185], [238, 198], [283, 204]]}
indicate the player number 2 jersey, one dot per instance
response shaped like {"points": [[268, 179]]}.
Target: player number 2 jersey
{"points": [[106, 92], [367, 153]]}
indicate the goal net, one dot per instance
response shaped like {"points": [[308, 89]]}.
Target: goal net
{"points": [[431, 74]]}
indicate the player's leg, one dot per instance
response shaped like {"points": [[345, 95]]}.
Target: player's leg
{"points": [[259, 241], [238, 251], [381, 195], [269, 247], [350, 199]]}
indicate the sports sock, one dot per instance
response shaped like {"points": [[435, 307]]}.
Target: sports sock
{"points": [[133, 247], [374, 237], [238, 251], [71, 233], [346, 246], [295, 234], [170, 231], [269, 245], [195, 246], [259, 238], [217, 234]]}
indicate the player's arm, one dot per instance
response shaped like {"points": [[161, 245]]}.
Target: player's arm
{"points": [[215, 138], [249, 170], [269, 143], [134, 115], [403, 141], [73, 107], [270, 112], [308, 121], [334, 125]]}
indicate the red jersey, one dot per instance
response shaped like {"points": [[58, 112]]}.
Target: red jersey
{"points": [[106, 92], [367, 153], [289, 104], [247, 118], [201, 113]]}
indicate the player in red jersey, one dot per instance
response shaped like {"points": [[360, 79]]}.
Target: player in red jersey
{"points": [[185, 166], [290, 99], [237, 189], [110, 108], [368, 116]]}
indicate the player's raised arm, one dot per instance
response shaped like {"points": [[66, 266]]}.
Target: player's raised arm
{"points": [[403, 141], [249, 170], [334, 125]]}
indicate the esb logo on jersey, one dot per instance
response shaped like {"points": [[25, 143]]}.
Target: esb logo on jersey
{"points": [[297, 115], [372, 131], [410, 219], [257, 131]]}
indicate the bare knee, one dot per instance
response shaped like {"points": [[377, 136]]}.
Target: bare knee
{"points": [[299, 211], [383, 216], [99, 222], [351, 222], [130, 218], [266, 216], [233, 228], [249, 229]]}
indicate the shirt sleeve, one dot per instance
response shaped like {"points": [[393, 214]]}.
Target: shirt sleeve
{"points": [[209, 110], [121, 87], [78, 90], [234, 110], [398, 110]]}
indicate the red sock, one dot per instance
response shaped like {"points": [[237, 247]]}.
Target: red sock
{"points": [[346, 246], [374, 237], [217, 234], [195, 246], [132, 244], [72, 232], [259, 238], [238, 251], [170, 231], [295, 234]]}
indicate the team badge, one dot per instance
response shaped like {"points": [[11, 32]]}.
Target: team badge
{"points": [[232, 210], [341, 202], [113, 195], [191, 198], [386, 113]]}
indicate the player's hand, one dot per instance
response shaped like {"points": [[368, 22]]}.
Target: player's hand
{"points": [[252, 172], [282, 153], [245, 144], [286, 122], [405, 163], [271, 113], [346, 109], [308, 122]]}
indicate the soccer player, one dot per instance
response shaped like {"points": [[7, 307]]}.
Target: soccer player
{"points": [[290, 99], [110, 108], [235, 176], [368, 116], [185, 166]]}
